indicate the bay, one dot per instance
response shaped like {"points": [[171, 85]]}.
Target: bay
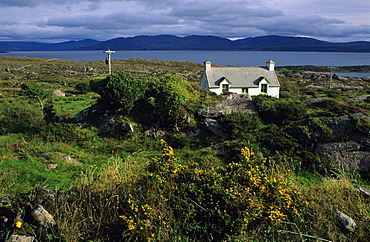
{"points": [[353, 74], [226, 58]]}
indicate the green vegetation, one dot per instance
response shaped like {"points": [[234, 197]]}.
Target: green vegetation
{"points": [[263, 183]]}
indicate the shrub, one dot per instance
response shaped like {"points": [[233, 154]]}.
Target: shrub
{"points": [[278, 111], [285, 94], [241, 125], [120, 90], [332, 93], [206, 204], [19, 117], [83, 87]]}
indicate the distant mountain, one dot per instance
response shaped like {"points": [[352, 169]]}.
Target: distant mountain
{"points": [[195, 42], [164, 42], [34, 46]]}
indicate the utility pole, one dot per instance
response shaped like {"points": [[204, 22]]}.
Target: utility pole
{"points": [[331, 77], [108, 59]]}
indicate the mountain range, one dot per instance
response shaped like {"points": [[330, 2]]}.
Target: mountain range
{"points": [[193, 42]]}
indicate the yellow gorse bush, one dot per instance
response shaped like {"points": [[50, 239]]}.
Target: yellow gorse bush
{"points": [[221, 201]]}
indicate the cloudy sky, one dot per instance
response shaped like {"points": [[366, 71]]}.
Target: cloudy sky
{"points": [[61, 20]]}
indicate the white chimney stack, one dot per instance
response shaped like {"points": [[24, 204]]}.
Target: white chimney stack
{"points": [[207, 65], [270, 65]]}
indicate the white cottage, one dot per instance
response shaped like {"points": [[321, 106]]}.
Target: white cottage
{"points": [[241, 80]]}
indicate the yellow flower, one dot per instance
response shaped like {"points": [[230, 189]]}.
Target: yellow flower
{"points": [[18, 224]]}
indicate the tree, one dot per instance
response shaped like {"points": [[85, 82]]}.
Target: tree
{"points": [[35, 93], [40, 96], [120, 90]]}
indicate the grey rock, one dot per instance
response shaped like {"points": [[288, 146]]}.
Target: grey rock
{"points": [[230, 103], [362, 189], [43, 217], [20, 238], [58, 93], [213, 126], [347, 222], [348, 155], [111, 124], [153, 132]]}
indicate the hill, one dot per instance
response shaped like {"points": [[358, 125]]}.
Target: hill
{"points": [[195, 42]]}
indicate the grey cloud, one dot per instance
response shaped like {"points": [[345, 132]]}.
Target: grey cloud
{"points": [[34, 3]]}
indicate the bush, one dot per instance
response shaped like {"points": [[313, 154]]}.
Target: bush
{"points": [[120, 90], [285, 94], [206, 204], [278, 111], [19, 117], [241, 125], [83, 87], [332, 93]]}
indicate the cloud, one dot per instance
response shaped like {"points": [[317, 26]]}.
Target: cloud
{"points": [[78, 19], [34, 3]]}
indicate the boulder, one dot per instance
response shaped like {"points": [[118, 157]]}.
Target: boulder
{"points": [[230, 103], [20, 238], [153, 132], [213, 126], [362, 190], [215, 111], [347, 222], [58, 93], [348, 155], [43, 217], [111, 124]]}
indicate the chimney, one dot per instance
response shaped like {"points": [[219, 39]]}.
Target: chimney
{"points": [[270, 65], [207, 65]]}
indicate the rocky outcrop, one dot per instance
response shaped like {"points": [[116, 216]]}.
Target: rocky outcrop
{"points": [[27, 213], [353, 153], [105, 121], [349, 155], [230, 104]]}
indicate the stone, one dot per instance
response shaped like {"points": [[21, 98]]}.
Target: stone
{"points": [[153, 132], [20, 238], [69, 160], [43, 217], [347, 222], [52, 166], [362, 189], [58, 93], [213, 126]]}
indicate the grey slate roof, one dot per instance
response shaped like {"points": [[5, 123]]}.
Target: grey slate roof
{"points": [[241, 76]]}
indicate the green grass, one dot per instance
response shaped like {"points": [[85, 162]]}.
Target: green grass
{"points": [[70, 105]]}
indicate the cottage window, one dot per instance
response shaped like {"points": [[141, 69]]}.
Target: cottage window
{"points": [[225, 88], [244, 90], [264, 88]]}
